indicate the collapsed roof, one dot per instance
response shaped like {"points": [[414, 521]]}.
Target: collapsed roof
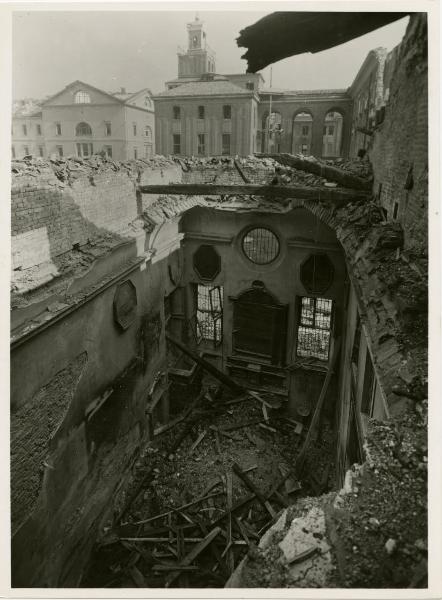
{"points": [[284, 34]]}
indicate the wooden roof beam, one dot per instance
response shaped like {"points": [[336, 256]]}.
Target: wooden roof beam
{"points": [[333, 195]]}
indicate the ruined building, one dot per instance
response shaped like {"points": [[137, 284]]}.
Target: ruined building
{"points": [[219, 368]]}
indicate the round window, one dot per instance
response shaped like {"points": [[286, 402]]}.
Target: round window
{"points": [[260, 245]]}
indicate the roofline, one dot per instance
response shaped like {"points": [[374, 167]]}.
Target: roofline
{"points": [[86, 85], [371, 55], [144, 90], [251, 94]]}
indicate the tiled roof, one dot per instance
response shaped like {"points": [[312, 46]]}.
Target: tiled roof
{"points": [[205, 88]]}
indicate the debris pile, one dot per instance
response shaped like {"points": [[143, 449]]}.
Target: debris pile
{"points": [[206, 489], [381, 523], [68, 169]]}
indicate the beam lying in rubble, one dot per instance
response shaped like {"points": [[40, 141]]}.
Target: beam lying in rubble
{"points": [[335, 196], [344, 178]]}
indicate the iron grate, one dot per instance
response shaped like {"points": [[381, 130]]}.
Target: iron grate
{"points": [[260, 245], [314, 328]]}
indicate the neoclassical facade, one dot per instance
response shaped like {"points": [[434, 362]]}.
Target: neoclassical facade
{"points": [[204, 113], [82, 120]]}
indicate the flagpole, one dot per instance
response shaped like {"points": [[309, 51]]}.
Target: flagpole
{"points": [[270, 111]]}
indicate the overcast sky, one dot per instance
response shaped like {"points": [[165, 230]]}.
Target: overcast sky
{"points": [[138, 49]]}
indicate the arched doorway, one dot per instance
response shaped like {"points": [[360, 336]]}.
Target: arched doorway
{"points": [[259, 325], [271, 133], [302, 133], [332, 134]]}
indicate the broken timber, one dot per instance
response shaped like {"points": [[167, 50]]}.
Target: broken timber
{"points": [[336, 196], [228, 381], [299, 463], [344, 178]]}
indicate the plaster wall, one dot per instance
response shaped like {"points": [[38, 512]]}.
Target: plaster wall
{"points": [[300, 235], [240, 126]]}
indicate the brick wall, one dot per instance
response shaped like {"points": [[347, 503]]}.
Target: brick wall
{"points": [[399, 149], [50, 212]]}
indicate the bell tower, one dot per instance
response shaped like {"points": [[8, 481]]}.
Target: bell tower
{"points": [[199, 58]]}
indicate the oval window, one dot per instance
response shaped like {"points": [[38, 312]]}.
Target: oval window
{"points": [[260, 245]]}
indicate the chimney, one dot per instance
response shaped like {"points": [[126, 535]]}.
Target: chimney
{"points": [[122, 90]]}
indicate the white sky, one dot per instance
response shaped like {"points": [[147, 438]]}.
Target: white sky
{"points": [[138, 49]]}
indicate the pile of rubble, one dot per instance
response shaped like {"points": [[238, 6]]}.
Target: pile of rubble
{"points": [[67, 169], [206, 488], [380, 521]]}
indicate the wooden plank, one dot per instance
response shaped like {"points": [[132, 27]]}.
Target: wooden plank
{"points": [[264, 426], [265, 503], [194, 553], [184, 506], [222, 377], [242, 530], [344, 178], [299, 462], [168, 568], [198, 441], [240, 171], [159, 540], [320, 194]]}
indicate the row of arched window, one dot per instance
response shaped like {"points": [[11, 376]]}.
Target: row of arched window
{"points": [[302, 127]]}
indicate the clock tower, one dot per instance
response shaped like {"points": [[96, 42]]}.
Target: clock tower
{"points": [[199, 57]]}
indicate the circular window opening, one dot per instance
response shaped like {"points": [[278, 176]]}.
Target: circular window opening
{"points": [[260, 245]]}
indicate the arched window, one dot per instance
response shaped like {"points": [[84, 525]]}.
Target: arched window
{"points": [[332, 134], [82, 97], [148, 133], [302, 133], [83, 129]]}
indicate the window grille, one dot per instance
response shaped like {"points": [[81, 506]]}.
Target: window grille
{"points": [[260, 245], [176, 112], [58, 128], [200, 112], [83, 129], [108, 127], [82, 98], [209, 313], [148, 132], [314, 328]]}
